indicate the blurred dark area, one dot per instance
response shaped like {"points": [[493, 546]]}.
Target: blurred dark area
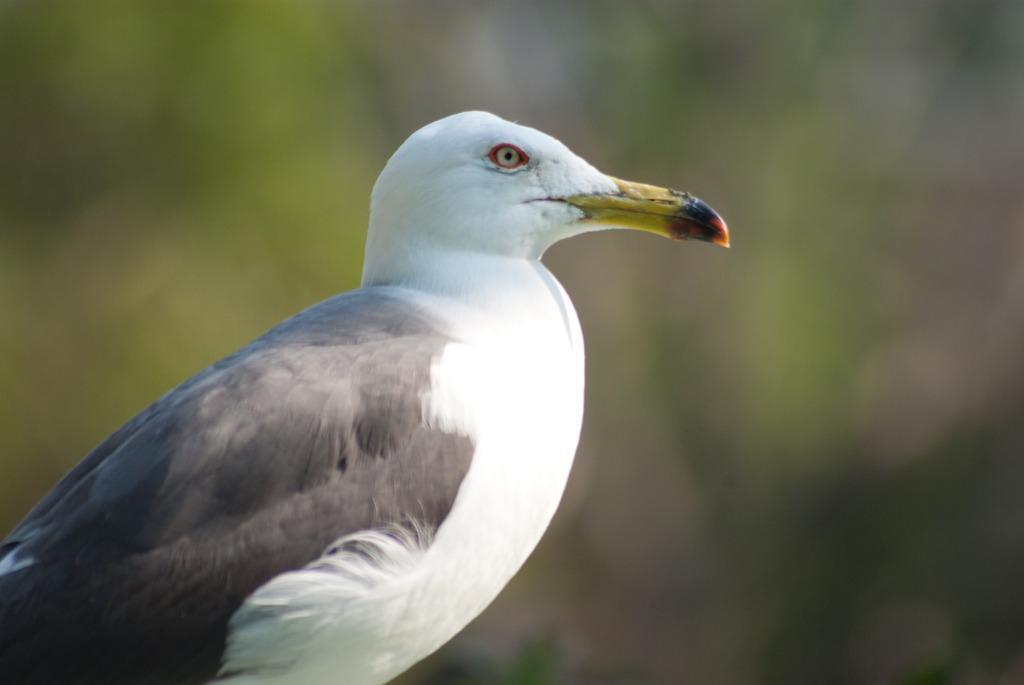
{"points": [[803, 457]]}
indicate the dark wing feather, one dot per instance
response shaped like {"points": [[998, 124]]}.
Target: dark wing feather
{"points": [[251, 468]]}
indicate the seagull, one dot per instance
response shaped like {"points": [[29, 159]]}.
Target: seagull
{"points": [[340, 497]]}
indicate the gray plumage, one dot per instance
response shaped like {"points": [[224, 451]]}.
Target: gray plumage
{"points": [[250, 468]]}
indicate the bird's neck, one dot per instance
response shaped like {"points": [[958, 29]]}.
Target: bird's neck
{"points": [[500, 292], [464, 276]]}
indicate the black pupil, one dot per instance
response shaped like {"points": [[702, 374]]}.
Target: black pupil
{"points": [[509, 155]]}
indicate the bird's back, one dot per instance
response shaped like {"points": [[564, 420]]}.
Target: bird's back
{"points": [[129, 570]]}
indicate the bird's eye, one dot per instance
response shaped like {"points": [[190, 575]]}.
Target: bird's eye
{"points": [[508, 156]]}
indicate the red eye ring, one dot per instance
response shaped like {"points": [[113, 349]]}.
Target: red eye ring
{"points": [[508, 156]]}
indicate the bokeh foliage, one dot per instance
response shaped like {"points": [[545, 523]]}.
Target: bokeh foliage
{"points": [[803, 459]]}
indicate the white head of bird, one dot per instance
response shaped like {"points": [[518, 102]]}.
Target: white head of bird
{"points": [[473, 182]]}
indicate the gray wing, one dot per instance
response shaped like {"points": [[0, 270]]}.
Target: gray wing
{"points": [[138, 557]]}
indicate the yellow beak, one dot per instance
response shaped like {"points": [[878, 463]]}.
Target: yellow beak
{"points": [[669, 213]]}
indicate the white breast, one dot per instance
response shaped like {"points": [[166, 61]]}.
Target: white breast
{"points": [[514, 383]]}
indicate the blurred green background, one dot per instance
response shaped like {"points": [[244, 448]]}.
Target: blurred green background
{"points": [[803, 457]]}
